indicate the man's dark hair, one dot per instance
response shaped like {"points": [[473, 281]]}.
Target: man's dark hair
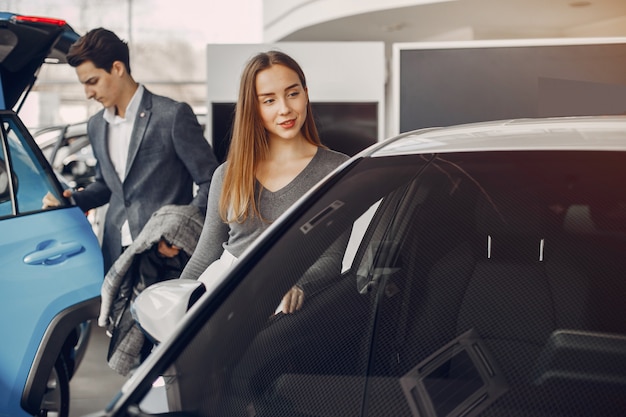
{"points": [[100, 46]]}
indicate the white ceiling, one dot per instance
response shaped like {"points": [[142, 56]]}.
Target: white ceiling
{"points": [[476, 19]]}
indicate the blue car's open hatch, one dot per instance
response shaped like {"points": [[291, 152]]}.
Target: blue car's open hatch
{"points": [[26, 42]]}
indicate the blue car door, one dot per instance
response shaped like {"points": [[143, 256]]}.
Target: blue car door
{"points": [[50, 262]]}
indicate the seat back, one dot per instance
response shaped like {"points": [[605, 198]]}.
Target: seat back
{"points": [[524, 284]]}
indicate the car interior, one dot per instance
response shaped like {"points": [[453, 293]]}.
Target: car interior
{"points": [[484, 284]]}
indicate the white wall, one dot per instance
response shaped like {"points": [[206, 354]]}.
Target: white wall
{"points": [[616, 27]]}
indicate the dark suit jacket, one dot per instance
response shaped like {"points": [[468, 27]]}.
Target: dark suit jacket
{"points": [[167, 155]]}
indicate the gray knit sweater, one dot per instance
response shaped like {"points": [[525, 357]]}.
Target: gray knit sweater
{"points": [[236, 237]]}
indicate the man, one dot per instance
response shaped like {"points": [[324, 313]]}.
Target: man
{"points": [[150, 149]]}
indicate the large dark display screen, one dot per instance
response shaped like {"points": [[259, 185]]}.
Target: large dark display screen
{"points": [[442, 87], [345, 127]]}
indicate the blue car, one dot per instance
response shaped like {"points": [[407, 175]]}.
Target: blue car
{"points": [[51, 261]]}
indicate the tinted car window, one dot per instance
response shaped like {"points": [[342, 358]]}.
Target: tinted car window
{"points": [[33, 182], [9, 40], [328, 338], [483, 284]]}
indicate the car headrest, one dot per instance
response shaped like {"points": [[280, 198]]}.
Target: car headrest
{"points": [[514, 225], [518, 212]]}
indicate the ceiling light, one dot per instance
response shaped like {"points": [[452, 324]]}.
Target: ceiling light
{"points": [[580, 3], [394, 27]]}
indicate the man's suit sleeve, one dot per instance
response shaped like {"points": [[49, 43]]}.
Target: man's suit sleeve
{"points": [[195, 152], [94, 195], [97, 193]]}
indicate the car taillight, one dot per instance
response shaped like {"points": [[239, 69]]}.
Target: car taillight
{"points": [[36, 19]]}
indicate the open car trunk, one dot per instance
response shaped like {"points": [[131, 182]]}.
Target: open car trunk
{"points": [[26, 42]]}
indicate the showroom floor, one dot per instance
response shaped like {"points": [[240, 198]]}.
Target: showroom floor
{"points": [[94, 384]]}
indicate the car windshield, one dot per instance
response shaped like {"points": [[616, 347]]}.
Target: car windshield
{"points": [[467, 283]]}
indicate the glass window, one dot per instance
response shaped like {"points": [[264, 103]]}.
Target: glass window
{"points": [[474, 282], [31, 180], [281, 364], [9, 40], [502, 293]]}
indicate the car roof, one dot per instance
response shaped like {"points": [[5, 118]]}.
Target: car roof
{"points": [[26, 42], [559, 133]]}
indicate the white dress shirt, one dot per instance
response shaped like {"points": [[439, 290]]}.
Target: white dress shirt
{"points": [[120, 133]]}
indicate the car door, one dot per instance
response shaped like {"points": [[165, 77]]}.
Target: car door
{"points": [[239, 356], [51, 262]]}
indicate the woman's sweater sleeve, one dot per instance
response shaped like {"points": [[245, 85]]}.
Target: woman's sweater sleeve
{"points": [[214, 232]]}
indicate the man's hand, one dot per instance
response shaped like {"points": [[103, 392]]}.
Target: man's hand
{"points": [[49, 200], [167, 250], [293, 300]]}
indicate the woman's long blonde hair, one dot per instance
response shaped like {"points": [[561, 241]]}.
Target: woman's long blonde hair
{"points": [[249, 142]]}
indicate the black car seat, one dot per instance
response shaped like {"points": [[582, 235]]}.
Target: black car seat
{"points": [[507, 275], [524, 284]]}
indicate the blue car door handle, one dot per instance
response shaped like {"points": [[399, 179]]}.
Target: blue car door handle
{"points": [[53, 253]]}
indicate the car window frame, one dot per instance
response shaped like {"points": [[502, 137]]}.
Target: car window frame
{"points": [[6, 170], [23, 135]]}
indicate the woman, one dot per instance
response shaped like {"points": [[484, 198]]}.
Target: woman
{"points": [[275, 156]]}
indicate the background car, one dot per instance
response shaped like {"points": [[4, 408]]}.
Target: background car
{"points": [[51, 261], [68, 150], [481, 273]]}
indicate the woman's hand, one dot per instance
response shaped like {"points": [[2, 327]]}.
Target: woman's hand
{"points": [[167, 250], [293, 300]]}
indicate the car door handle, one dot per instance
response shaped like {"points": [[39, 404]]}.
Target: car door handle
{"points": [[53, 253]]}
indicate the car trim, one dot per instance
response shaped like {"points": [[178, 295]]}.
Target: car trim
{"points": [[583, 133], [49, 348]]}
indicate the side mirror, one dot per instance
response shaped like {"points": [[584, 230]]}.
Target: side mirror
{"points": [[159, 308]]}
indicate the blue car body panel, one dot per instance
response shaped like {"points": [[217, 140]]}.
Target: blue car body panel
{"points": [[52, 268], [33, 294], [51, 264]]}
